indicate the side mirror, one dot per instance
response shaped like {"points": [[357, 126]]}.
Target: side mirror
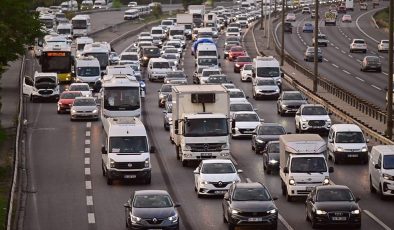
{"points": [[196, 171], [126, 205], [103, 150], [367, 141], [331, 169], [240, 171], [282, 74], [152, 149], [176, 129], [218, 56], [358, 199], [377, 166], [286, 170], [274, 198], [331, 140], [177, 205], [226, 196], [298, 113], [261, 120]]}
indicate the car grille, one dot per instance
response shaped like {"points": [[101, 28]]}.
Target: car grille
{"points": [[293, 106], [45, 92], [220, 184], [316, 123], [339, 214], [246, 131], [309, 182], [155, 221], [206, 147], [129, 165], [251, 214], [84, 111]]}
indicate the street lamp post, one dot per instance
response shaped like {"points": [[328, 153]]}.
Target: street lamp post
{"points": [[316, 47], [282, 47], [389, 130]]}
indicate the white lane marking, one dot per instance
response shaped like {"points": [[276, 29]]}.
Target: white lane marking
{"points": [[91, 218], [332, 44], [385, 73], [87, 171], [87, 161], [88, 133], [358, 60], [249, 180], [381, 56], [335, 65], [362, 31], [350, 56], [87, 142], [347, 72], [376, 219], [336, 47], [343, 51], [87, 150], [325, 59], [374, 86], [88, 185], [373, 52], [88, 124], [284, 222], [89, 200], [360, 79]]}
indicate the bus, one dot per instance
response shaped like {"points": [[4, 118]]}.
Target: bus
{"points": [[81, 25], [57, 58]]}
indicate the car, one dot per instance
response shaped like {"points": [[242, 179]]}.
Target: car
{"points": [[235, 52], [347, 18], [321, 40], [81, 87], [84, 108], [217, 79], [289, 102], [371, 63], [171, 57], [231, 39], [247, 72], [264, 133], [229, 85], [308, 27], [363, 6], [66, 100], [306, 10], [167, 116], [132, 4], [233, 31], [358, 45], [207, 72], [332, 205], [240, 106], [214, 176], [150, 209], [313, 14], [381, 170], [240, 61], [342, 9], [309, 54], [175, 75], [227, 49], [249, 204], [132, 57], [383, 46], [271, 157], [237, 95], [288, 27], [291, 17], [312, 117], [164, 91], [265, 88], [244, 123]]}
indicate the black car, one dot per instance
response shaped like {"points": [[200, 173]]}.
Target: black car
{"points": [[288, 27], [151, 209], [290, 102], [147, 53], [264, 133], [271, 157], [249, 204], [332, 205]]}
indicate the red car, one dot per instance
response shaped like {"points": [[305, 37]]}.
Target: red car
{"points": [[240, 62], [235, 52], [66, 100]]}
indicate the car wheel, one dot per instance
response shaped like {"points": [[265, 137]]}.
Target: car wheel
{"points": [[284, 189], [109, 181], [371, 187], [253, 148], [148, 180], [184, 163], [224, 218], [381, 195], [306, 214], [231, 226], [178, 157], [268, 170], [313, 221], [274, 226], [334, 159]]}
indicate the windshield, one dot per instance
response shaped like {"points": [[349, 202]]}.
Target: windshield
{"points": [[39, 80], [248, 67], [236, 49], [271, 130], [244, 59], [130, 144], [101, 57], [253, 194], [236, 30], [80, 46], [207, 61], [217, 168], [47, 22], [349, 137], [174, 44], [240, 107], [176, 75], [161, 65], [308, 165], [64, 31], [58, 64], [217, 79], [157, 32], [84, 102], [266, 82], [166, 88], [334, 195], [176, 32], [79, 88], [131, 57], [268, 72], [152, 51], [388, 162], [209, 73], [152, 201], [88, 71], [70, 95], [206, 127], [79, 24], [246, 117], [292, 96], [236, 94], [207, 53], [121, 98], [313, 110]]}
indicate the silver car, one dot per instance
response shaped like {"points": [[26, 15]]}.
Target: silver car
{"points": [[84, 108], [167, 116], [265, 88]]}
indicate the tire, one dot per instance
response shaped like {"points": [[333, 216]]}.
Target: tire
{"points": [[371, 187], [224, 218], [148, 180], [109, 181], [381, 195], [177, 151], [313, 222], [289, 198], [231, 226], [334, 159], [102, 170], [284, 189], [268, 170], [185, 164], [306, 214]]}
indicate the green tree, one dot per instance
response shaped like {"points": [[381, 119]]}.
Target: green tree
{"points": [[18, 26], [156, 11]]}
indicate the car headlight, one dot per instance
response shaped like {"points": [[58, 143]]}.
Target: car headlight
{"points": [[73, 111], [145, 58], [146, 163], [187, 147], [292, 182], [321, 212], [173, 218], [304, 120], [284, 106], [204, 182], [237, 65], [273, 161], [387, 176], [356, 212], [364, 149], [234, 211], [326, 181], [272, 211], [94, 111], [339, 149], [276, 90], [260, 141], [111, 163], [135, 219]]}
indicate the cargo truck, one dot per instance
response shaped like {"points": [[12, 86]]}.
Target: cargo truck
{"points": [[187, 21], [303, 164], [197, 12], [200, 116]]}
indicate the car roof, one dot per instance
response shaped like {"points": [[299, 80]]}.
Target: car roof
{"points": [[346, 128], [249, 185], [217, 161], [151, 192], [327, 187]]}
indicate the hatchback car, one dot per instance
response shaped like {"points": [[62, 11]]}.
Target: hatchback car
{"points": [[309, 54], [383, 46], [271, 157], [66, 100], [265, 88], [235, 52], [291, 17], [164, 91], [243, 124], [347, 18], [84, 108], [264, 133], [358, 45], [371, 63], [290, 102], [308, 27], [332, 205], [240, 62], [151, 209], [247, 72]]}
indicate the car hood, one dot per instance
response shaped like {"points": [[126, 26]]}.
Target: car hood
{"points": [[267, 87], [243, 63], [253, 206], [351, 146], [332, 206], [84, 108], [149, 213], [66, 101], [315, 117], [293, 102], [225, 177], [161, 70]]}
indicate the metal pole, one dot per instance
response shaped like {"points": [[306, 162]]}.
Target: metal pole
{"points": [[389, 130], [282, 46], [269, 26], [265, 21], [316, 46], [262, 16]]}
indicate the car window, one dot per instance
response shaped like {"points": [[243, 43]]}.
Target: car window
{"points": [[270, 130], [70, 95], [292, 96], [79, 88], [273, 148], [241, 107], [314, 110], [84, 102], [246, 117], [388, 162]]}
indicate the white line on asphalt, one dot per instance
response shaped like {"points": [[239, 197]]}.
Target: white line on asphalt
{"points": [[325, 59], [87, 150], [88, 124], [88, 133], [87, 161], [87, 142], [249, 180], [234, 161], [343, 51], [360, 79], [91, 219], [381, 56], [88, 184], [284, 222], [358, 60], [87, 171], [362, 31], [332, 44], [335, 65], [373, 52], [385, 73], [374, 86], [336, 47], [89, 200], [376, 219], [347, 72], [350, 56]]}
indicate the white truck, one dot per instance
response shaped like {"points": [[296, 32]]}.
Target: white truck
{"points": [[267, 67], [330, 18], [197, 12], [187, 21], [349, 5], [200, 116], [302, 164], [126, 151]]}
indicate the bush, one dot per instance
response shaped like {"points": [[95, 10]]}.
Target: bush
{"points": [[157, 11], [116, 4]]}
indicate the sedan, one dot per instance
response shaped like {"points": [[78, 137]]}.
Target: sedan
{"points": [[332, 205], [383, 46], [249, 204], [151, 209], [265, 88], [271, 157], [164, 91], [217, 79], [308, 27], [84, 108], [247, 72], [309, 54], [291, 17], [175, 75], [347, 18], [214, 177], [240, 62], [244, 123], [66, 100], [290, 102], [235, 52], [371, 63], [264, 133], [81, 87]]}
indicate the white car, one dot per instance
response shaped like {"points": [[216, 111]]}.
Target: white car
{"points": [[311, 117], [358, 45], [233, 31], [264, 88], [237, 95], [383, 46], [214, 177], [290, 17], [306, 10], [81, 87], [246, 72], [243, 124], [381, 170], [240, 107]]}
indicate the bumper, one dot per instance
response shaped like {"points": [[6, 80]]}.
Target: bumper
{"points": [[358, 156], [351, 220], [300, 190], [115, 174], [289, 110], [164, 226], [211, 190], [197, 156], [306, 127], [245, 77], [269, 220], [84, 116], [54, 97], [242, 133], [267, 94]]}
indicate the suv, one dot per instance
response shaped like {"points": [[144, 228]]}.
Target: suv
{"points": [[371, 63], [148, 52], [311, 117], [264, 133], [290, 102], [306, 10], [358, 45], [158, 69]]}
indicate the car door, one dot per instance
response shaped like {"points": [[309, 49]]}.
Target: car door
{"points": [[377, 172], [310, 202], [28, 86], [226, 203]]}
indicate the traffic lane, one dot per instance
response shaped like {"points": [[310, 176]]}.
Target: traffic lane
{"points": [[366, 24]]}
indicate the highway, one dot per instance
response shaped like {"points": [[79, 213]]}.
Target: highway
{"points": [[339, 65], [67, 190]]}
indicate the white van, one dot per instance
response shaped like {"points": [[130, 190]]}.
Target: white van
{"points": [[381, 170], [131, 14], [347, 141], [158, 69], [207, 49], [87, 69]]}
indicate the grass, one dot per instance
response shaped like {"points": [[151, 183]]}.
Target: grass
{"points": [[382, 18], [5, 178]]}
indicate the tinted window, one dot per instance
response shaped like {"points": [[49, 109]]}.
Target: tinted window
{"points": [[388, 162], [349, 137], [246, 117], [84, 102], [152, 201], [79, 88], [308, 165], [292, 96], [314, 110], [271, 130], [70, 95], [240, 107], [133, 144], [334, 195]]}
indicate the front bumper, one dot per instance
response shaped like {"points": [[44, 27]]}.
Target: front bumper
{"points": [[212, 190], [242, 132], [84, 115], [251, 220], [301, 190], [197, 156], [388, 187], [327, 219], [246, 77], [359, 156], [157, 76], [267, 94], [44, 97], [306, 127], [147, 224], [118, 174], [289, 109]]}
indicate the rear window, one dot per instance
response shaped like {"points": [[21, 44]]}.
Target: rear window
{"points": [[359, 41]]}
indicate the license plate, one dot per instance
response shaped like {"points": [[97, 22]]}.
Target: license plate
{"points": [[206, 154], [248, 131], [220, 192], [309, 188], [342, 218], [129, 176], [352, 155], [255, 219]]}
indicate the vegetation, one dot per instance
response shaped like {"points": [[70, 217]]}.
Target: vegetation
{"points": [[18, 28], [116, 4], [157, 11], [382, 18]]}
